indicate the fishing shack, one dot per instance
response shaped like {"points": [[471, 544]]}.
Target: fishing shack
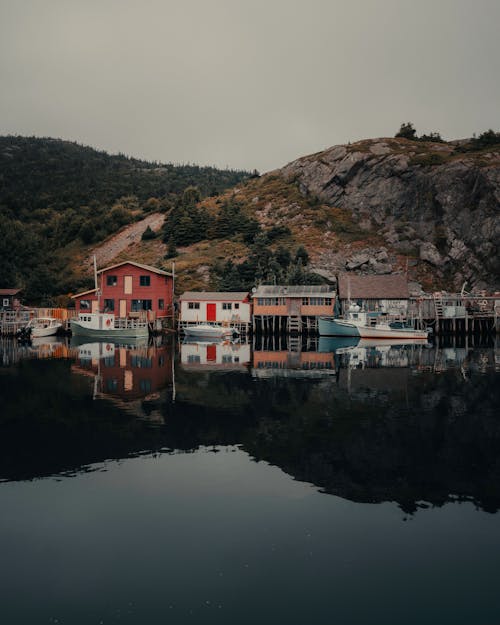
{"points": [[291, 308], [385, 294], [216, 307]]}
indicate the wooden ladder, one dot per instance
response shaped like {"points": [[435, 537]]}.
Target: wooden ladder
{"points": [[294, 324]]}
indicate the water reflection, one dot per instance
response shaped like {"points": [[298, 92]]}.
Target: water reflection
{"points": [[369, 422], [214, 355], [126, 372]]}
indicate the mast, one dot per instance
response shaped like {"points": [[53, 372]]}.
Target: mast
{"points": [[98, 292]]}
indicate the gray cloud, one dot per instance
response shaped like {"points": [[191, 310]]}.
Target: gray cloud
{"points": [[245, 84]]}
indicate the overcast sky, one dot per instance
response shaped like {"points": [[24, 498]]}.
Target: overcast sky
{"points": [[246, 84]]}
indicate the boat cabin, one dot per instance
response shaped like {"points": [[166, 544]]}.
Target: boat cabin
{"points": [[129, 289]]}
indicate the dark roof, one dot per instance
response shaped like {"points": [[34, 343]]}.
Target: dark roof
{"points": [[216, 296], [393, 286], [293, 290], [9, 291]]}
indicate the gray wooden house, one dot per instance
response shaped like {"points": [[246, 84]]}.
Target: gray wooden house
{"points": [[385, 294]]}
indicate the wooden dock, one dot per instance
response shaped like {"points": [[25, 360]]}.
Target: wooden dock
{"points": [[13, 320]]}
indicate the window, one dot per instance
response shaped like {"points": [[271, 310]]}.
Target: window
{"points": [[112, 385], [193, 358], [305, 301], [5, 302], [109, 305], [161, 304], [260, 301], [141, 304], [236, 306], [195, 305], [226, 306], [111, 280], [144, 280], [85, 304]]}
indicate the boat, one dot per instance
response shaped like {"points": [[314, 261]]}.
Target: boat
{"points": [[106, 325], [39, 327], [205, 330], [359, 323]]}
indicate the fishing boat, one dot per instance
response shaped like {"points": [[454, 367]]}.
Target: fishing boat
{"points": [[359, 323], [205, 330], [106, 325], [39, 327]]}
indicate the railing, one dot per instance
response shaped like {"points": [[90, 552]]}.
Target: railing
{"points": [[125, 323]]}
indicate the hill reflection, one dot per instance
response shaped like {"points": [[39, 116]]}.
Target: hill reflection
{"points": [[413, 424]]}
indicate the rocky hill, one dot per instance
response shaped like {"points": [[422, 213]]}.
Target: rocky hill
{"points": [[427, 208], [436, 204], [424, 207]]}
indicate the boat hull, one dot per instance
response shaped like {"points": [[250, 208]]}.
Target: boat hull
{"points": [[38, 333], [109, 333], [338, 327], [208, 332]]}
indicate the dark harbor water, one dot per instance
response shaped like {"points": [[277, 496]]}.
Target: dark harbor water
{"points": [[217, 483]]}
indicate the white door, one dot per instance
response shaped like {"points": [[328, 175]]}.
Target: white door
{"points": [[127, 286], [123, 308]]}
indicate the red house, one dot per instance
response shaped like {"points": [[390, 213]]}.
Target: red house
{"points": [[129, 288]]}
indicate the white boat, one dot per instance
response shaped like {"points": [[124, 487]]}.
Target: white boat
{"points": [[358, 323], [107, 326], [205, 330], [39, 327]]}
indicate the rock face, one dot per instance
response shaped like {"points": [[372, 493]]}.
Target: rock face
{"points": [[430, 199]]}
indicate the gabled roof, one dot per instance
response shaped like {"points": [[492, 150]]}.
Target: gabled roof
{"points": [[294, 290], [9, 291], [216, 296], [393, 286], [140, 265]]}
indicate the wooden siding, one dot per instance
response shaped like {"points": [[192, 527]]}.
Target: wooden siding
{"points": [[160, 288]]}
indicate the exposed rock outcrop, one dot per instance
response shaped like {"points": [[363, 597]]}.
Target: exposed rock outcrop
{"points": [[430, 201]]}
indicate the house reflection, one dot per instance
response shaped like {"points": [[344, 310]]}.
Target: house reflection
{"points": [[125, 372], [214, 355], [269, 363]]}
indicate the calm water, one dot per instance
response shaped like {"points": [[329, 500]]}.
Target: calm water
{"points": [[202, 483]]}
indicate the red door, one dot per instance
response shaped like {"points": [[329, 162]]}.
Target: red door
{"points": [[211, 353], [211, 316]]}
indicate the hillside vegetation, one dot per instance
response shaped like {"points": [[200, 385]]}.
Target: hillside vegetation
{"points": [[418, 205], [58, 198]]}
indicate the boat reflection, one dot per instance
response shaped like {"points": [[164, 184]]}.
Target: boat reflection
{"points": [[214, 354]]}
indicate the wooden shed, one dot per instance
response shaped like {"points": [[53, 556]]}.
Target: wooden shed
{"points": [[386, 294], [10, 299], [280, 308], [217, 307]]}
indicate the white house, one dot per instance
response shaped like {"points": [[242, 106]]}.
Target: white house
{"points": [[215, 307]]}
